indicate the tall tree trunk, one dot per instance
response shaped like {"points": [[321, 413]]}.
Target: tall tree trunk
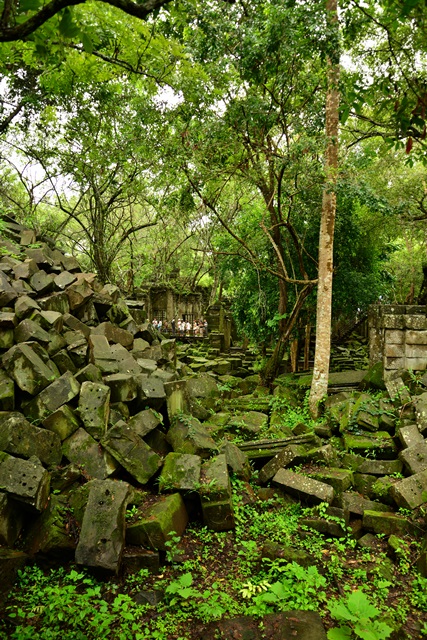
{"points": [[319, 385]]}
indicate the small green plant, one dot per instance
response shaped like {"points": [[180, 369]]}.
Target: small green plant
{"points": [[359, 617], [172, 547]]}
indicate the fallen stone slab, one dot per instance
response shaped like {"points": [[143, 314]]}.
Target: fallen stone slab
{"points": [[20, 438], [24, 364], [7, 292], [215, 495], [144, 422], [29, 330], [409, 436], [304, 625], [25, 481], [180, 472], [188, 435], [380, 467], [237, 461], [387, 523], [100, 354], [165, 519], [42, 282], [123, 387], [356, 504], [102, 536], [114, 334], [420, 404], [50, 533], [79, 294], [7, 392], [303, 488], [57, 394], [55, 302], [131, 452], [411, 492], [94, 408], [339, 479], [293, 454], [325, 526], [247, 424], [86, 452], [414, 458], [274, 550], [382, 445], [151, 392], [63, 422]]}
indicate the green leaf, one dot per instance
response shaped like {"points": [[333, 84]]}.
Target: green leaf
{"points": [[67, 27], [339, 633], [87, 42], [28, 5], [358, 603]]}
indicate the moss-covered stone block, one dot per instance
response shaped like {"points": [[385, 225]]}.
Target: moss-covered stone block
{"points": [[163, 520], [131, 452], [386, 522], [181, 471], [102, 536], [188, 435]]}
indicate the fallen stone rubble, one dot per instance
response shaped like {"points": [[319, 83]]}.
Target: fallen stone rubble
{"points": [[99, 414]]}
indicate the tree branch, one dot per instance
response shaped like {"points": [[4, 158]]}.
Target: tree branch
{"points": [[25, 29]]}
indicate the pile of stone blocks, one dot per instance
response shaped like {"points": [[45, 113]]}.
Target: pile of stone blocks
{"points": [[89, 417]]}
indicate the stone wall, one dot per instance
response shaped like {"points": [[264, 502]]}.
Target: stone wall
{"points": [[398, 336]]}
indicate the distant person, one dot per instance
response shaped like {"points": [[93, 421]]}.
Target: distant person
{"points": [[173, 326], [154, 323]]}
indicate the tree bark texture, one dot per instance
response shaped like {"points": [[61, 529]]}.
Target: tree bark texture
{"points": [[319, 386]]}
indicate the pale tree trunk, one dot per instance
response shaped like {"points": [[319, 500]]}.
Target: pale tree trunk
{"points": [[319, 385]]}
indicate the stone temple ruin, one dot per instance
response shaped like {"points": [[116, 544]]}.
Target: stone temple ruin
{"points": [[100, 413]]}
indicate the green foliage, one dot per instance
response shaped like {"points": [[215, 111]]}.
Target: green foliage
{"points": [[360, 616], [71, 606], [297, 588]]}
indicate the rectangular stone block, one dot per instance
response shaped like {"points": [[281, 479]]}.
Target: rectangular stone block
{"points": [[131, 452], [218, 516], [23, 363], [411, 492], [339, 479], [94, 407], [394, 336], [380, 467], [63, 422], [304, 488], [418, 322], [356, 504], [85, 451], [394, 321], [25, 480], [61, 391], [416, 364], [416, 351], [394, 350], [394, 363], [293, 454], [386, 522], [167, 518], [21, 438], [416, 337], [415, 458], [409, 436], [102, 536], [7, 392], [181, 472]]}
